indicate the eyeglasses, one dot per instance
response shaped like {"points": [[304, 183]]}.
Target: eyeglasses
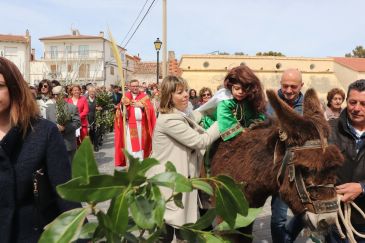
{"points": [[206, 95]]}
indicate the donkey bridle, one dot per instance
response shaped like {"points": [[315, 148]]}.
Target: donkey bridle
{"points": [[295, 174]]}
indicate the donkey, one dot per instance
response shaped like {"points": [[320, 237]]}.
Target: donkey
{"points": [[288, 155]]}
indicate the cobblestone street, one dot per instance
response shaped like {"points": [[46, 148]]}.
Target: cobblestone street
{"points": [[261, 232]]}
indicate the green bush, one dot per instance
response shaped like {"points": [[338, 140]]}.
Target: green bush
{"points": [[137, 207]]}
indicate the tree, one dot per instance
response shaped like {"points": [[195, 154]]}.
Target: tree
{"points": [[223, 53], [270, 53], [240, 53], [359, 51], [137, 206]]}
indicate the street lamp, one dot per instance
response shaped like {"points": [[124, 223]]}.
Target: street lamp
{"points": [[158, 45]]}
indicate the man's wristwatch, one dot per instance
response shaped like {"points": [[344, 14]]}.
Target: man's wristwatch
{"points": [[362, 183]]}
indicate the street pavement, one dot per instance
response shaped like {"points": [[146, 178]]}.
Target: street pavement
{"points": [[261, 229]]}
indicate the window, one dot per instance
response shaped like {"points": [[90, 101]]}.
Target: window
{"points": [[53, 68], [54, 52], [69, 68], [111, 70], [278, 65], [10, 51], [68, 50], [206, 64], [83, 51], [312, 66], [111, 52], [84, 71]]}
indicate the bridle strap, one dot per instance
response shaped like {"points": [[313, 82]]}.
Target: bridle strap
{"points": [[295, 175]]}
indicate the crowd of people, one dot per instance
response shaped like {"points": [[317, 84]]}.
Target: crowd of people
{"points": [[41, 128]]}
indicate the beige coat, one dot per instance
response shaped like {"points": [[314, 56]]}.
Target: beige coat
{"points": [[179, 139]]}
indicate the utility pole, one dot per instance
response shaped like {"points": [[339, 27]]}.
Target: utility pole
{"points": [[164, 38]]}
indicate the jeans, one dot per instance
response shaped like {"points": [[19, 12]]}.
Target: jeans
{"points": [[334, 237], [280, 232]]}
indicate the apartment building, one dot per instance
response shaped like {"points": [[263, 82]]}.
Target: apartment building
{"points": [[17, 48], [82, 59]]}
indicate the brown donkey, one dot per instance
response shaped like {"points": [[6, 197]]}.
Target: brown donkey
{"points": [[289, 155]]}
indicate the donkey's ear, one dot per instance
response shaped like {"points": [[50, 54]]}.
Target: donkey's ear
{"points": [[290, 121], [311, 105]]}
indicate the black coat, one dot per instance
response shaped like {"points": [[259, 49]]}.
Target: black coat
{"points": [[353, 169], [43, 146]]}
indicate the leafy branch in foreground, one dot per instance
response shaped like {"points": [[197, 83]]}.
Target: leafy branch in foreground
{"points": [[137, 207]]}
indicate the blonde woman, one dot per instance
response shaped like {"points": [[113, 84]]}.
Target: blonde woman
{"points": [[179, 139]]}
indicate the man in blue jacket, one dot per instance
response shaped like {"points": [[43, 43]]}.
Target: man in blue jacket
{"points": [[290, 91]]}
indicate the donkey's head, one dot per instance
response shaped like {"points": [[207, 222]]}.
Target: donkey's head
{"points": [[308, 172]]}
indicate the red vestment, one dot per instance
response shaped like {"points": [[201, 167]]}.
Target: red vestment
{"points": [[148, 124]]}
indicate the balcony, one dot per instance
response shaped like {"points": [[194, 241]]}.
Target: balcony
{"points": [[74, 55]]}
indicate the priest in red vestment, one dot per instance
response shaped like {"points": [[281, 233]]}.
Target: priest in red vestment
{"points": [[140, 122]]}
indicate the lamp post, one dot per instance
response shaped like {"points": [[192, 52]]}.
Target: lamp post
{"points": [[158, 45]]}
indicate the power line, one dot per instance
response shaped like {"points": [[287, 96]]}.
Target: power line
{"points": [[139, 14], [140, 23]]}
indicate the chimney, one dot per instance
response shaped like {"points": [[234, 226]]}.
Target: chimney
{"points": [[171, 55], [27, 33], [101, 34], [32, 55]]}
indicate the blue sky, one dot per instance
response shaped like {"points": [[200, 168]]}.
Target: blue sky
{"points": [[308, 28]]}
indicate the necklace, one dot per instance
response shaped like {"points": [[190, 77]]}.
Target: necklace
{"points": [[239, 111]]}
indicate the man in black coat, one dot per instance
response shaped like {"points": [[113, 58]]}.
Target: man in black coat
{"points": [[348, 133]]}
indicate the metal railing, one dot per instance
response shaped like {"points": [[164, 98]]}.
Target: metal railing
{"points": [[73, 55]]}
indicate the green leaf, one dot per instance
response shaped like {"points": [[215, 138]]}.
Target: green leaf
{"points": [[178, 200], [65, 228], [203, 186], [130, 238], [170, 167], [147, 164], [241, 221], [118, 212], [189, 235], [84, 164], [173, 180], [141, 209], [234, 193], [100, 188], [159, 210], [121, 177], [204, 221], [210, 238], [224, 207], [105, 221], [134, 166], [88, 231], [152, 238]]}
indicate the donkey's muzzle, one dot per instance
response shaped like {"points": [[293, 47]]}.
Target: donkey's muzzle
{"points": [[319, 222]]}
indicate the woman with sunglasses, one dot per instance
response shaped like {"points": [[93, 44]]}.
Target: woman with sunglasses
{"points": [[237, 106], [205, 94], [45, 96]]}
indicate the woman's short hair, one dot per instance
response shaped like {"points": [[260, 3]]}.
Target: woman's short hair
{"points": [[23, 107], [168, 87], [250, 83], [75, 86], [332, 94], [202, 91]]}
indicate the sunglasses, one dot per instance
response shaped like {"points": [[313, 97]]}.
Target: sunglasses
{"points": [[206, 95], [44, 86]]}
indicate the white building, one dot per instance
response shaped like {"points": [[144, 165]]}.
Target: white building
{"points": [[17, 48], [82, 59]]}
